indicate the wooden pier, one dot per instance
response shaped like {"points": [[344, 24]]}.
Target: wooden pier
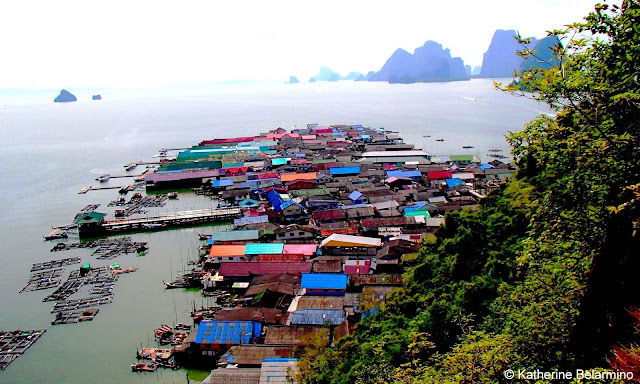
{"points": [[173, 219]]}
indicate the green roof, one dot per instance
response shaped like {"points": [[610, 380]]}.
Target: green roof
{"points": [[322, 161], [461, 158], [90, 217]]}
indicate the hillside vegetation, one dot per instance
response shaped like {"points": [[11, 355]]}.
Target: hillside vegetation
{"points": [[543, 276]]}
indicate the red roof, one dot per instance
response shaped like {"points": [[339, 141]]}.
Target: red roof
{"points": [[267, 268], [439, 175], [268, 175], [324, 130], [331, 214], [228, 140], [280, 258]]}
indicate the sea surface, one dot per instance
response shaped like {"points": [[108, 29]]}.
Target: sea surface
{"points": [[49, 151]]}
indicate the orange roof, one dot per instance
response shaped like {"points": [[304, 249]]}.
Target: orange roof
{"points": [[227, 250], [298, 176]]}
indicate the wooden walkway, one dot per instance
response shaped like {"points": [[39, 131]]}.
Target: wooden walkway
{"points": [[175, 218]]}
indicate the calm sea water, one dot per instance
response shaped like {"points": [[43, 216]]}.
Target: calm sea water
{"points": [[49, 151]]}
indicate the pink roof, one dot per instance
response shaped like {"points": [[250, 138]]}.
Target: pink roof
{"points": [[299, 249], [281, 135], [362, 269], [264, 268], [308, 137]]}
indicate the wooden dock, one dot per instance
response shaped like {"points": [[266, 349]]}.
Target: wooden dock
{"points": [[173, 219]]}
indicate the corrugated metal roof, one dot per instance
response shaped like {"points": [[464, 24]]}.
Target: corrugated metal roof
{"points": [[296, 335], [255, 353], [394, 173], [251, 220], [237, 235], [435, 175], [264, 268], [263, 248], [324, 281], [339, 240], [222, 183], [394, 153], [275, 199], [297, 176], [453, 182], [317, 316], [226, 250], [320, 302], [464, 175], [227, 332], [300, 249]]}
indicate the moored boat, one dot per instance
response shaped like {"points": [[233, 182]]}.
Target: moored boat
{"points": [[143, 367], [103, 178]]}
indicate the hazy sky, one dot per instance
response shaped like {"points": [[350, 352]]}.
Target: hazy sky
{"points": [[136, 43]]}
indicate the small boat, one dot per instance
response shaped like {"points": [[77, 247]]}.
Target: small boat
{"points": [[103, 178], [495, 150], [439, 139], [130, 166], [143, 367], [467, 146], [178, 283], [172, 195], [56, 234], [204, 237]]}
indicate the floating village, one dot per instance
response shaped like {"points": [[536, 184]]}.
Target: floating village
{"points": [[322, 217]]}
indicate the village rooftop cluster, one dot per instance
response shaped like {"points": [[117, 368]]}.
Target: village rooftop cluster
{"points": [[322, 217]]}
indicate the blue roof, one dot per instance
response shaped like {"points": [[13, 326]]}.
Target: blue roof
{"points": [[324, 281], [249, 203], [279, 161], [264, 248], [222, 183], [355, 195], [344, 170], [288, 203], [275, 199], [227, 332], [403, 174], [485, 166], [237, 235], [317, 316], [453, 182], [415, 207]]}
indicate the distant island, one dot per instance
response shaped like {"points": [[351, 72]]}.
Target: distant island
{"points": [[65, 97], [96, 97], [293, 80], [502, 59], [328, 74], [429, 63]]}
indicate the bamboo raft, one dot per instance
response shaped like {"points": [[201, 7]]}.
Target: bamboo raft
{"points": [[70, 305], [15, 343], [54, 264], [43, 280]]}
